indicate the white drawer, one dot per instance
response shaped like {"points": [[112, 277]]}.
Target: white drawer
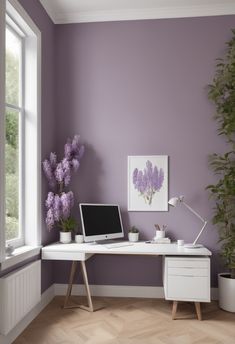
{"points": [[187, 279], [188, 272], [188, 288], [183, 263]]}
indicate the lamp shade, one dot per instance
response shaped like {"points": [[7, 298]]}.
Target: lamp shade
{"points": [[174, 201]]}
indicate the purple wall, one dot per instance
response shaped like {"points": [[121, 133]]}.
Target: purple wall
{"points": [[139, 88], [132, 88]]}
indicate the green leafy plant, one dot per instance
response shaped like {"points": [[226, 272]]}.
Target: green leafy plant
{"points": [[222, 93], [68, 224], [133, 229]]}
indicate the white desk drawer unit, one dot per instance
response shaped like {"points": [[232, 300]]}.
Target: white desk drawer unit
{"points": [[187, 279]]}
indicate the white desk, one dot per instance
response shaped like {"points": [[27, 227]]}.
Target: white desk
{"points": [[179, 268]]}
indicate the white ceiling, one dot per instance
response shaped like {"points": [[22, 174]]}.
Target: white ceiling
{"points": [[77, 11]]}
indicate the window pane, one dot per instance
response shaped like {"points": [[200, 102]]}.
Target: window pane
{"points": [[12, 174], [13, 62]]}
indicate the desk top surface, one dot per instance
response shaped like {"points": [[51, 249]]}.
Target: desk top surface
{"points": [[138, 248]]}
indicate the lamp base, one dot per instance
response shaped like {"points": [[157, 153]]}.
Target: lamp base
{"points": [[193, 246]]}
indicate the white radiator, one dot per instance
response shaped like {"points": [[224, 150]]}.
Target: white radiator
{"points": [[20, 291]]}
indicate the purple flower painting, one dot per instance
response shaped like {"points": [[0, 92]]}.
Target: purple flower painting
{"points": [[148, 183]]}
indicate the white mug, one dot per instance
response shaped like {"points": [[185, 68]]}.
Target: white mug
{"points": [[79, 238], [180, 242]]}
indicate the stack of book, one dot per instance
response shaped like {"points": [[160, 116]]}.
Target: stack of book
{"points": [[162, 241]]}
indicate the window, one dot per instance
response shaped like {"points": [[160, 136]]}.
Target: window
{"points": [[14, 125], [20, 160]]}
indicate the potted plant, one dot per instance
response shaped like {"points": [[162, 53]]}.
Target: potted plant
{"points": [[133, 234], [222, 93], [59, 201], [66, 227]]}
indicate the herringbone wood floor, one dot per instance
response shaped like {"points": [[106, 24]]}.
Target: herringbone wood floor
{"points": [[130, 321]]}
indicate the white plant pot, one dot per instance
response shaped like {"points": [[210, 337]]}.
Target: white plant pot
{"points": [[160, 234], [226, 292], [79, 238], [133, 237], [65, 237]]}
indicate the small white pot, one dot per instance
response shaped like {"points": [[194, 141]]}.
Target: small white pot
{"points": [[79, 238], [65, 237], [226, 292], [160, 234], [133, 237]]}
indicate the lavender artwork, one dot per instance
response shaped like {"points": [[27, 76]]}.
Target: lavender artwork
{"points": [[60, 201], [147, 183]]}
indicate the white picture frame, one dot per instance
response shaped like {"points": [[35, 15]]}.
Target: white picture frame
{"points": [[148, 183]]}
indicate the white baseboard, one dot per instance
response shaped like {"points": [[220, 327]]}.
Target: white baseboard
{"points": [[120, 291], [46, 298], [96, 290], [113, 291]]}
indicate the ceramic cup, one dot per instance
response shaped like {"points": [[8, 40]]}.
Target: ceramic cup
{"points": [[79, 238], [180, 242]]}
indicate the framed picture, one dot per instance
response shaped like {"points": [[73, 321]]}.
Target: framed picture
{"points": [[148, 183]]}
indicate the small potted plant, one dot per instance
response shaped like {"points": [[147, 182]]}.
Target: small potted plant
{"points": [[133, 234], [66, 228]]}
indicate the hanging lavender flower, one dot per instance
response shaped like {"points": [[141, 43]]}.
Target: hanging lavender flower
{"points": [[63, 173], [50, 221], [49, 167], [67, 202], [148, 182], [59, 208], [73, 152], [59, 203]]}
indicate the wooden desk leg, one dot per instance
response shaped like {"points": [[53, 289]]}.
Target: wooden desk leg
{"points": [[85, 279], [174, 309], [70, 285], [198, 310], [88, 308]]}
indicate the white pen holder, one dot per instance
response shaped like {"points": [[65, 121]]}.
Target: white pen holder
{"points": [[160, 234]]}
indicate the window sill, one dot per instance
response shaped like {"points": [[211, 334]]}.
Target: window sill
{"points": [[19, 255]]}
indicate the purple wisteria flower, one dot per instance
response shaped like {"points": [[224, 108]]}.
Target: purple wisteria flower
{"points": [[67, 203], [73, 152], [148, 182], [59, 173], [58, 208], [59, 203], [49, 167]]}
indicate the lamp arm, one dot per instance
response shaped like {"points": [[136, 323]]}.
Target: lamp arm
{"points": [[205, 223], [193, 211]]}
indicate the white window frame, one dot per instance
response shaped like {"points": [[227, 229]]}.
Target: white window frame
{"points": [[32, 134], [12, 26]]}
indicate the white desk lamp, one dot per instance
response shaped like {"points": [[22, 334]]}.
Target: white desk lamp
{"points": [[178, 200]]}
